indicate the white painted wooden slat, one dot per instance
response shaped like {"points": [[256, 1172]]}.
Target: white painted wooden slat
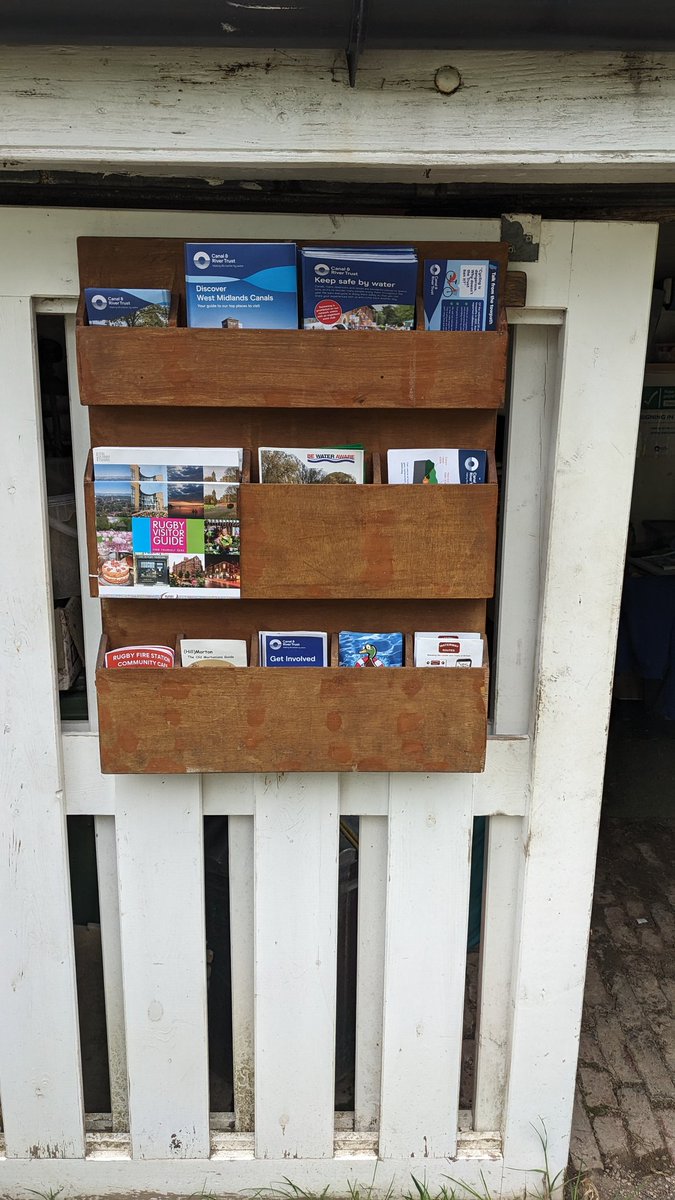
{"points": [[500, 906], [596, 432], [532, 402], [87, 792], [160, 863], [296, 878], [373, 837], [517, 112], [41, 260], [430, 821], [502, 788], [364, 795], [241, 849], [108, 898], [39, 1038]]}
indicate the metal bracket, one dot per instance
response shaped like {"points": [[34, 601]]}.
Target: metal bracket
{"points": [[357, 37], [523, 233]]}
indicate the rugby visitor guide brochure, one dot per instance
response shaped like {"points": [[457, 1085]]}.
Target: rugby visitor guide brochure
{"points": [[167, 521]]}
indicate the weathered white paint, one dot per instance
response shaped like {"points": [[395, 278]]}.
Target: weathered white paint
{"points": [[296, 886], [595, 438], [503, 862], [242, 921], [160, 862], [517, 115], [39, 1042], [237, 1172], [502, 788], [373, 846], [425, 960], [38, 251], [533, 391], [109, 906]]}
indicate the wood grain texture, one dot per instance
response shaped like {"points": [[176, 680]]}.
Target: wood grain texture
{"points": [[130, 621], [285, 719], [379, 429], [371, 541], [291, 368], [283, 368]]}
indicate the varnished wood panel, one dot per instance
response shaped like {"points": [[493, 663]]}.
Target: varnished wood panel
{"points": [[283, 368], [129, 622], [377, 429], [371, 541], [284, 719], [291, 368]]}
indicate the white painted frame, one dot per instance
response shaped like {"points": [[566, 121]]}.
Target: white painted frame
{"points": [[243, 114], [543, 782]]}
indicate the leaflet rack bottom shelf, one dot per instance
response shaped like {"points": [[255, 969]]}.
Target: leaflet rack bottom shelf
{"points": [[230, 719]]}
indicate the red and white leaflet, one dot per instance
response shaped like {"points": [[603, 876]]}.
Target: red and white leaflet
{"points": [[140, 656]]}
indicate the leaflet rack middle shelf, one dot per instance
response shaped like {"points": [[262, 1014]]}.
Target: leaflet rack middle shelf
{"points": [[356, 541]]}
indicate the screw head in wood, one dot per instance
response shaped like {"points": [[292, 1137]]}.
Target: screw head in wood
{"points": [[447, 80]]}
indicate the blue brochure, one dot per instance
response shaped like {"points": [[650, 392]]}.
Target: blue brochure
{"points": [[241, 285], [357, 288], [371, 649], [293, 649], [142, 308], [461, 296]]}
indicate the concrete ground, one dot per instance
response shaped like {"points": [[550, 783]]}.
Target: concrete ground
{"points": [[624, 1124]]}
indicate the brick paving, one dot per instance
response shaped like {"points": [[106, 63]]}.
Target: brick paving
{"points": [[624, 1117]]}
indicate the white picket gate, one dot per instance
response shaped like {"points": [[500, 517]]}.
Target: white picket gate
{"points": [[571, 440]]}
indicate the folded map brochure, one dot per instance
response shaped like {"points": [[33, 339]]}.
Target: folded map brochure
{"points": [[436, 466], [241, 285], [281, 464], [136, 308], [370, 649], [293, 648], [461, 295], [358, 288], [167, 525], [448, 650], [219, 652], [140, 656]]}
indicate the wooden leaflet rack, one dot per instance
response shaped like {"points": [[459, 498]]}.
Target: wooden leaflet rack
{"points": [[330, 557]]}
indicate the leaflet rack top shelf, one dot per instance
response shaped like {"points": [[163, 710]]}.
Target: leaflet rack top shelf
{"points": [[209, 368]]}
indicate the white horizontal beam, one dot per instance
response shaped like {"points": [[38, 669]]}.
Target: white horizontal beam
{"points": [[110, 1172], [226, 112], [502, 788]]}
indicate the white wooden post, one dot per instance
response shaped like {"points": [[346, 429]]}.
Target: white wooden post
{"points": [[425, 962], [39, 1038], [296, 885], [603, 357], [160, 861]]}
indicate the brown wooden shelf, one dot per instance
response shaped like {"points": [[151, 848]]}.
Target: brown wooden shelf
{"points": [[291, 719], [370, 541], [365, 541], [369, 557], [287, 368]]}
